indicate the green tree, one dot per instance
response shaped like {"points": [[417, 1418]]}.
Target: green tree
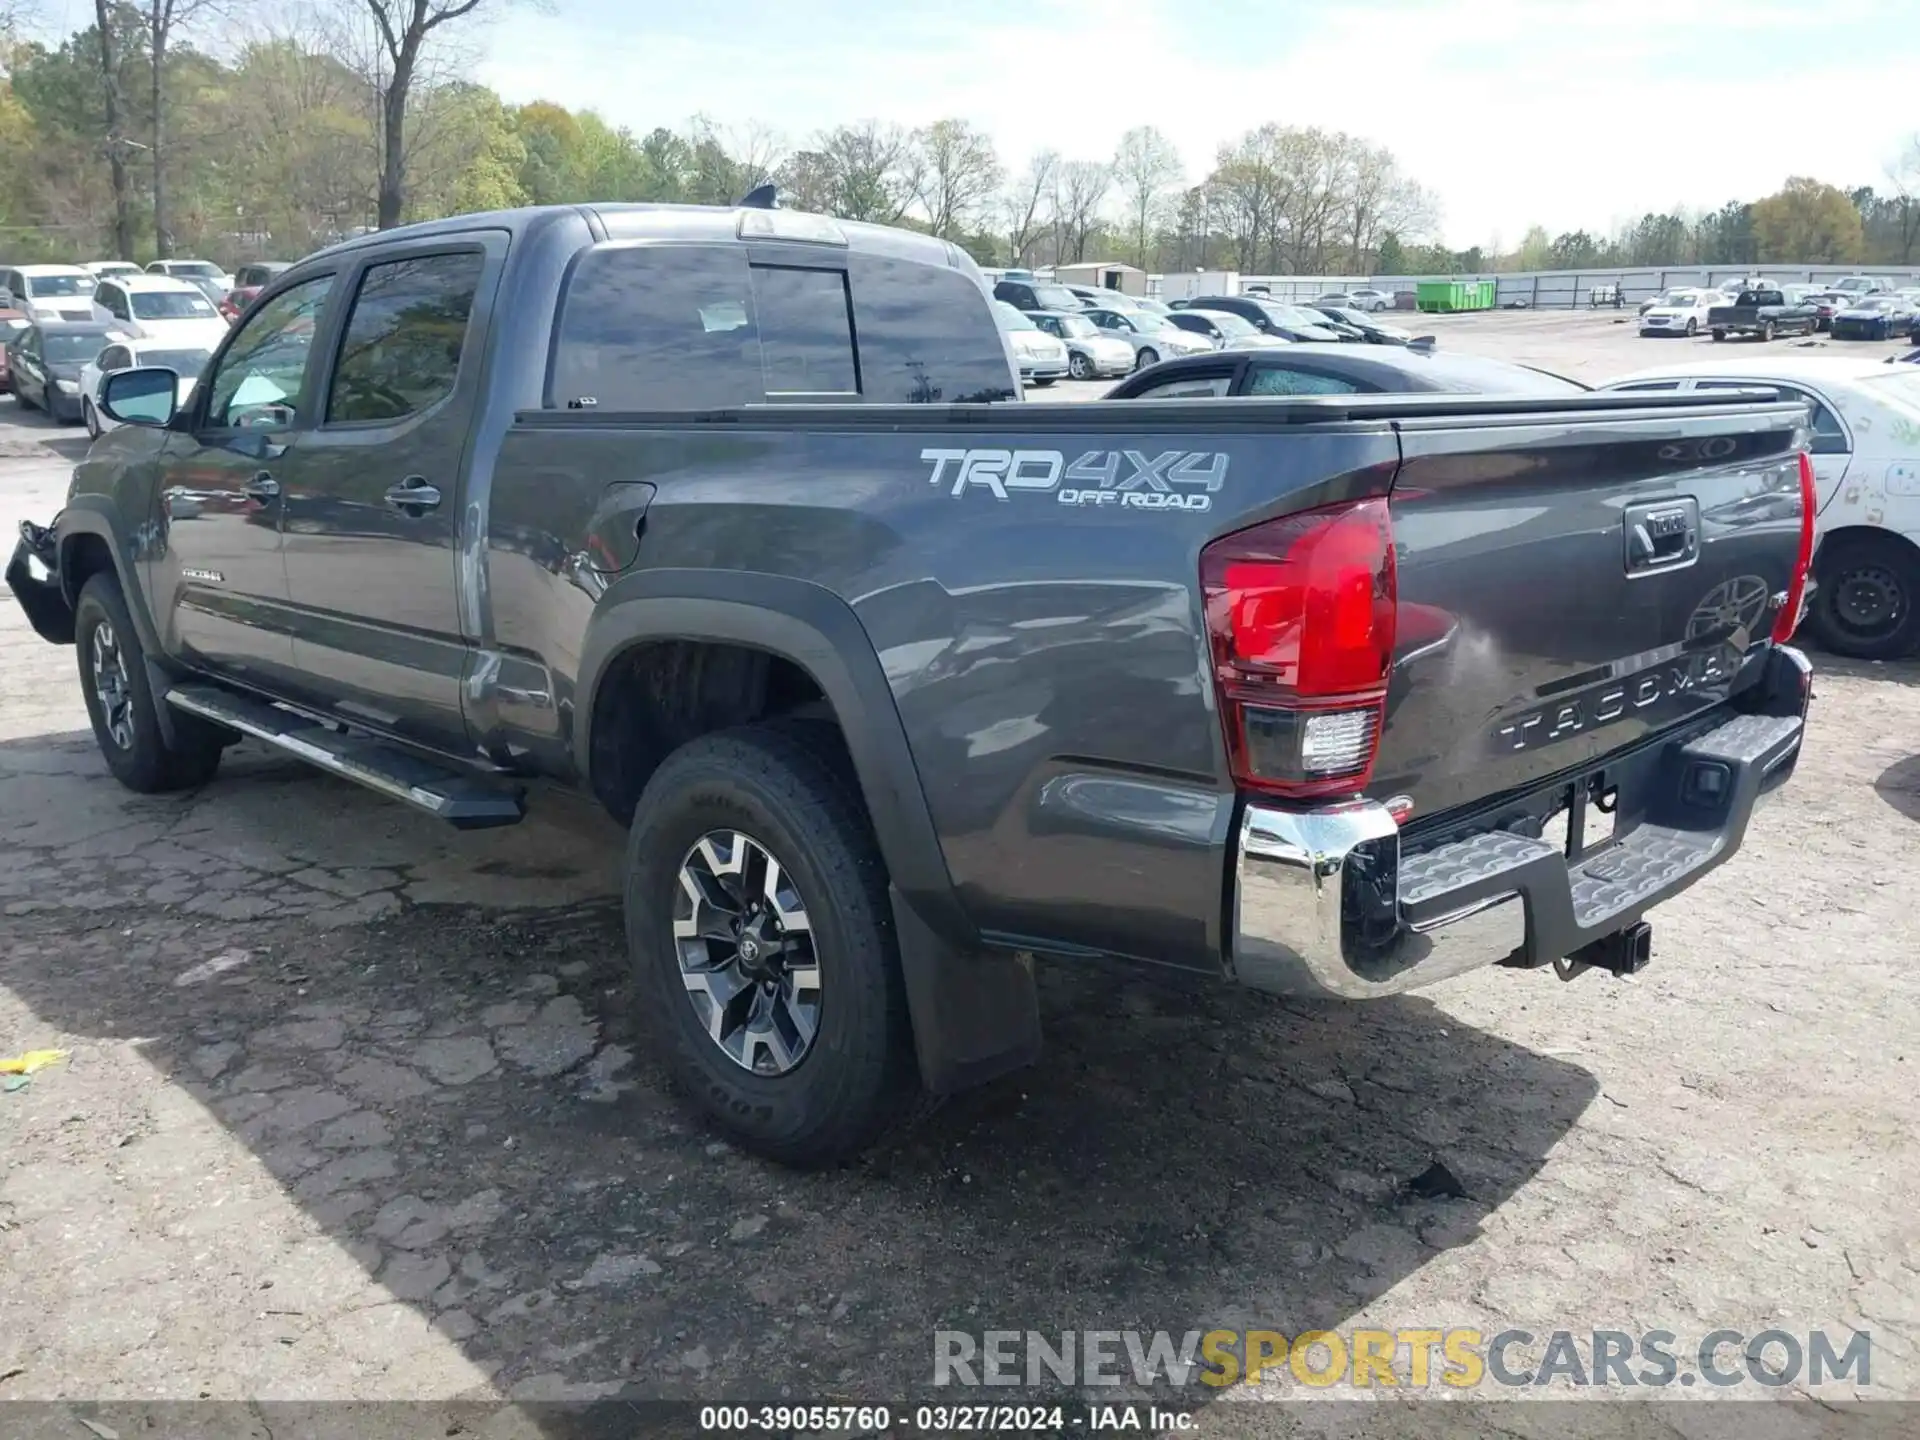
{"points": [[1536, 250], [1807, 221], [1393, 258], [550, 138], [1576, 250]]}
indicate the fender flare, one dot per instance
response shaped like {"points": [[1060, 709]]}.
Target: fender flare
{"points": [[98, 516], [813, 628]]}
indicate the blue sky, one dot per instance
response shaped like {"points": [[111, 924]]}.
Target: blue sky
{"points": [[1571, 113]]}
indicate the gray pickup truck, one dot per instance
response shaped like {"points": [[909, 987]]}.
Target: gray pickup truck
{"points": [[734, 518], [1762, 314]]}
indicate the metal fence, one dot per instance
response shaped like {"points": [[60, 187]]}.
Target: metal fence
{"points": [[1569, 289]]}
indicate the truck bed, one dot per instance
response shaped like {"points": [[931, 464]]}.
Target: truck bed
{"points": [[1045, 643]]}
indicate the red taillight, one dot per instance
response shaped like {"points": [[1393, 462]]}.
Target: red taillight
{"points": [[1788, 620], [1300, 615]]}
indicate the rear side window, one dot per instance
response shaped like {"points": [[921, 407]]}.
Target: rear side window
{"points": [[658, 327], [1828, 436], [806, 333], [1273, 380], [927, 335], [401, 351]]}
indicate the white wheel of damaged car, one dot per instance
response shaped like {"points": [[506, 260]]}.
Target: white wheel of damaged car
{"points": [[745, 946]]}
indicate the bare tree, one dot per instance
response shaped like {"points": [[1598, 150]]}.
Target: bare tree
{"points": [[404, 28], [162, 18], [1146, 167], [1905, 175], [1079, 188], [1025, 206], [956, 171], [113, 96], [866, 167]]}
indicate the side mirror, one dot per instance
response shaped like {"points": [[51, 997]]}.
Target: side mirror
{"points": [[147, 395]]}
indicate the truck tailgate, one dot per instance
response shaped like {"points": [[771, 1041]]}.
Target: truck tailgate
{"points": [[1565, 590]]}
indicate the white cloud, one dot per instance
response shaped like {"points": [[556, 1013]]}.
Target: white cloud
{"points": [[1568, 113]]}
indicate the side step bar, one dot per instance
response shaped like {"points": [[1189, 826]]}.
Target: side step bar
{"points": [[466, 802]]}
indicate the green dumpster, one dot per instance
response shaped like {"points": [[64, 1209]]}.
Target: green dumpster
{"points": [[1447, 296]]}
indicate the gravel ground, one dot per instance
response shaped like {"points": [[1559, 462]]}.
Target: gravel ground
{"points": [[355, 1108]]}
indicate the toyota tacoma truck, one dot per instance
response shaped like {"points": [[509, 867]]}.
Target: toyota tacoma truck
{"points": [[1764, 314], [905, 686]]}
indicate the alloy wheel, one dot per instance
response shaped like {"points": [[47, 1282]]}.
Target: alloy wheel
{"points": [[745, 946], [109, 666]]}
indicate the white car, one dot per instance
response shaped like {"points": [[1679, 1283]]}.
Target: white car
{"points": [[98, 268], [47, 292], [1040, 358], [1866, 468], [1681, 311], [187, 361], [157, 307], [1153, 337]]}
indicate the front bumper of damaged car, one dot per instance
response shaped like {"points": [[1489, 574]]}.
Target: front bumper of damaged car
{"points": [[1327, 905], [41, 596]]}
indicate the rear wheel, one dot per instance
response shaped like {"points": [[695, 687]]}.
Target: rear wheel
{"points": [[762, 941], [1766, 331], [122, 705], [1865, 604], [1719, 334], [1148, 356]]}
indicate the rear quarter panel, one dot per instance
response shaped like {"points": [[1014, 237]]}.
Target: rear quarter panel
{"points": [[1045, 650]]}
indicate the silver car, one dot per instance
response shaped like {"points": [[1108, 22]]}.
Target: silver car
{"points": [[1091, 351], [1227, 332], [1042, 358], [1153, 337]]}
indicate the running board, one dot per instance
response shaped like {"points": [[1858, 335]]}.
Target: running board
{"points": [[465, 802]]}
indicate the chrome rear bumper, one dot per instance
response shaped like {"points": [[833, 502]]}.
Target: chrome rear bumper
{"points": [[1325, 905]]}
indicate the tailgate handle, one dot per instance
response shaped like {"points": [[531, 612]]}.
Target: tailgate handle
{"points": [[1661, 535]]}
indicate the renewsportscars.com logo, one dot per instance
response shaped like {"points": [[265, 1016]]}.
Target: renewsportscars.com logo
{"points": [[1414, 1359], [1130, 479]]}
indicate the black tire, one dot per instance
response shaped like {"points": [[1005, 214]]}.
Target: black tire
{"points": [[92, 420], [1693, 327], [1148, 356], [788, 788], [1719, 334], [126, 726], [1867, 606], [1080, 366], [1766, 331], [1039, 384]]}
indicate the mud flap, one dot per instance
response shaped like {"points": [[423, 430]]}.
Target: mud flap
{"points": [[976, 1016]]}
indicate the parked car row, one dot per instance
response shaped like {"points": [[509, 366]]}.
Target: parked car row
{"points": [[58, 366], [1857, 307], [63, 328], [62, 292]]}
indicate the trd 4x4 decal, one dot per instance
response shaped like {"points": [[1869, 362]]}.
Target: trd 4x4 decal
{"points": [[1130, 479]]}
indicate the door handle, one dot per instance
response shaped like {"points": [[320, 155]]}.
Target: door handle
{"points": [[262, 487], [413, 496]]}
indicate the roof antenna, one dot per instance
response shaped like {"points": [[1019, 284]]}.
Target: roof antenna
{"points": [[762, 197]]}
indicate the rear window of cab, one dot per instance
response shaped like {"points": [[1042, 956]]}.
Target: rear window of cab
{"points": [[650, 327]]}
